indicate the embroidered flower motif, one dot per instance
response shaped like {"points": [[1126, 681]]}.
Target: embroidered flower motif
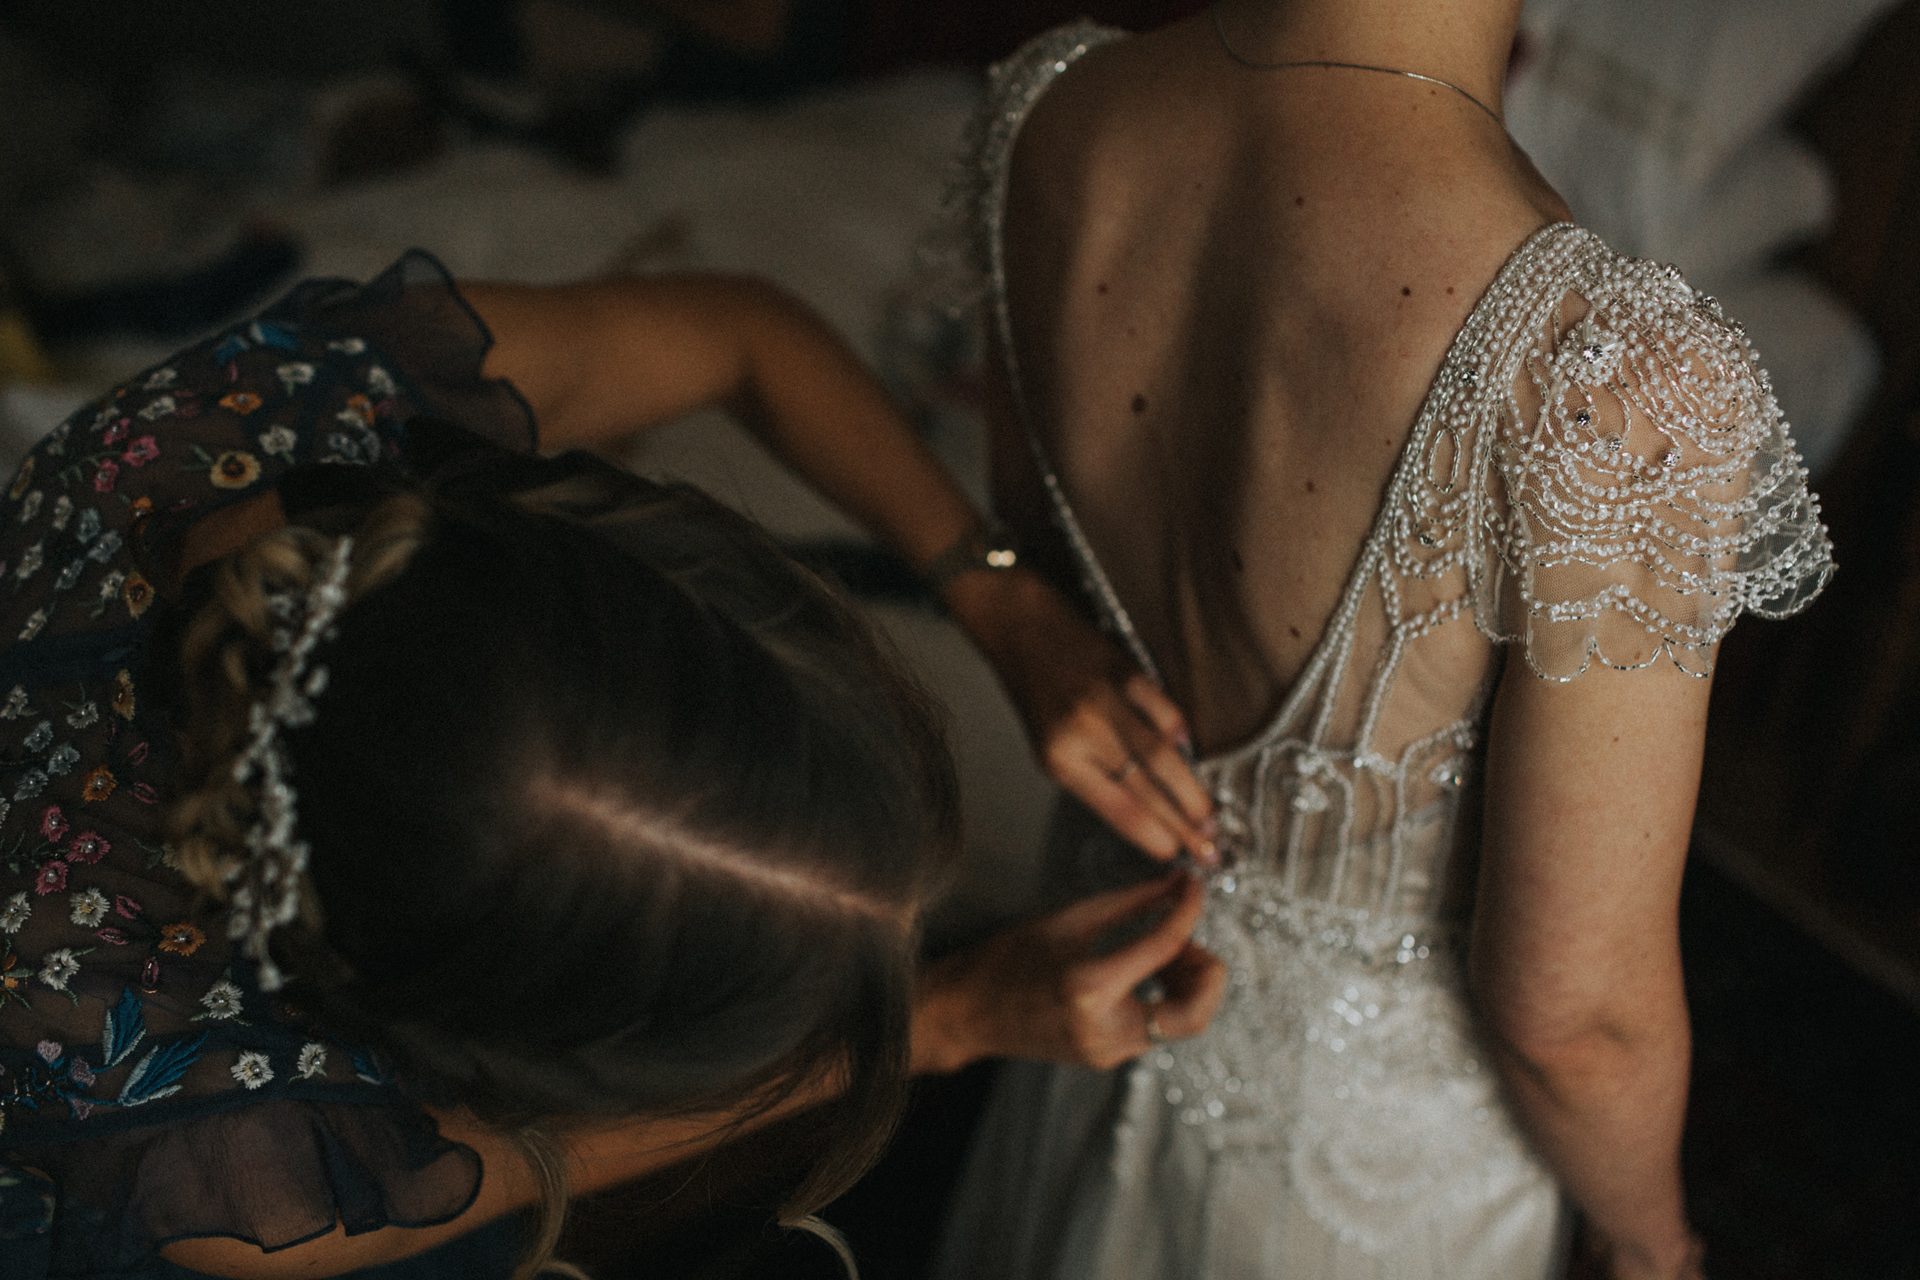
{"points": [[14, 916], [35, 621], [86, 715], [32, 783], [53, 823], [105, 478], [348, 346], [145, 794], [222, 1000], [117, 432], [51, 878], [22, 479], [9, 979], [234, 469], [278, 442], [141, 507], [105, 549], [6, 807], [312, 1061], [158, 408], [112, 937], [90, 908], [137, 753], [87, 848], [344, 445], [98, 784], [80, 1073], [137, 593], [71, 574], [41, 738], [49, 1051], [381, 383], [61, 762], [296, 373], [123, 702], [30, 561], [252, 1070], [57, 969], [358, 413], [31, 507], [182, 939], [16, 704], [110, 589], [241, 402], [141, 451], [62, 513], [160, 378], [125, 906]]}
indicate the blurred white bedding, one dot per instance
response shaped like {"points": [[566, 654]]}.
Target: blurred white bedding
{"points": [[1661, 125]]}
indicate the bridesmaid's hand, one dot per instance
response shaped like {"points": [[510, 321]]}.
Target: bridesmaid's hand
{"points": [[1102, 730], [1041, 991]]}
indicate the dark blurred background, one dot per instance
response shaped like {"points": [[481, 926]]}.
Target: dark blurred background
{"points": [[165, 167]]}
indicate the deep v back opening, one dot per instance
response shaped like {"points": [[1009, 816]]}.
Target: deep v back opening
{"points": [[1327, 647]]}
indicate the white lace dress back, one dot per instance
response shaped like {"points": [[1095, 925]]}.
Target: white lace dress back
{"points": [[1599, 473]]}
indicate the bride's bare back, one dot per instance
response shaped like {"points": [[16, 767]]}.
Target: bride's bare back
{"points": [[1230, 291], [1341, 430]]}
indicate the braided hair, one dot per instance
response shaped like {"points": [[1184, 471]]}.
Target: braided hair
{"points": [[614, 809]]}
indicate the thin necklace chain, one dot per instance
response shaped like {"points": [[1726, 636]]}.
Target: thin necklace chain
{"points": [[1233, 53]]}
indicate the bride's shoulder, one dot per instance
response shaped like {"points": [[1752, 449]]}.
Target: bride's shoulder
{"points": [[1646, 487]]}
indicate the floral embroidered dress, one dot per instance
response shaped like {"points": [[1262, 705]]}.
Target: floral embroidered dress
{"points": [[149, 1090], [1598, 474]]}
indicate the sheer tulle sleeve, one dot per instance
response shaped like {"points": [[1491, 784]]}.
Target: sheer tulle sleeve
{"points": [[142, 1069], [1642, 489]]}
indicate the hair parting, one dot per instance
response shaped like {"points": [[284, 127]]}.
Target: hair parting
{"points": [[614, 810]]}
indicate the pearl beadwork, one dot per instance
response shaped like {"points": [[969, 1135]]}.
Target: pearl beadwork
{"points": [[1570, 533]]}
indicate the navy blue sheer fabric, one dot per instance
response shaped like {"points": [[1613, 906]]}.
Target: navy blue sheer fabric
{"points": [[149, 1089]]}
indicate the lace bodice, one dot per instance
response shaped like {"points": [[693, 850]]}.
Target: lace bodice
{"points": [[1599, 473]]}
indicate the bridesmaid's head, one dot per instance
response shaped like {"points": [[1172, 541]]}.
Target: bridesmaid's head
{"points": [[612, 807]]}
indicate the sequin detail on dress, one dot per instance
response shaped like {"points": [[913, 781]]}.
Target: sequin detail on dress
{"points": [[1599, 472]]}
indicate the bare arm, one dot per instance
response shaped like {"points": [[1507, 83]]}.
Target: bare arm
{"points": [[603, 361], [1575, 956]]}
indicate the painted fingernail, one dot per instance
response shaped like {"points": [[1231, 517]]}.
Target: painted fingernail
{"points": [[1210, 854]]}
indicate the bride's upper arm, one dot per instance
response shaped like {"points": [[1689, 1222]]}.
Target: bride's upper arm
{"points": [[1590, 789], [1642, 492]]}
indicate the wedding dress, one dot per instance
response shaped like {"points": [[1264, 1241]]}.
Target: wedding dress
{"points": [[1599, 473]]}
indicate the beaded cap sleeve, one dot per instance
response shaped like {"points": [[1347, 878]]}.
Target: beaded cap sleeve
{"points": [[1640, 488], [1597, 472], [142, 1069]]}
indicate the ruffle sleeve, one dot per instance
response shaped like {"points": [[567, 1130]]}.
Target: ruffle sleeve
{"points": [[142, 1068], [1642, 490]]}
